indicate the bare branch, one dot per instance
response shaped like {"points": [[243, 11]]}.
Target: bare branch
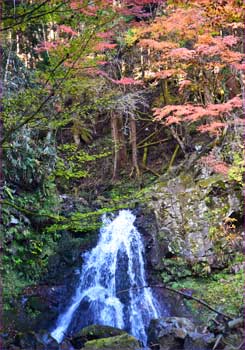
{"points": [[186, 296]]}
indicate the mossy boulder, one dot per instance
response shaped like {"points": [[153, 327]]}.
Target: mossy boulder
{"points": [[94, 332], [122, 342]]}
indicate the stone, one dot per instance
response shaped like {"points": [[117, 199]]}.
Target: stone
{"points": [[186, 210], [177, 333], [65, 345], [122, 342], [94, 332], [34, 341], [198, 341], [26, 340]]}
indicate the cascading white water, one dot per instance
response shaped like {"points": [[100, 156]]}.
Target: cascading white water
{"points": [[115, 264]]}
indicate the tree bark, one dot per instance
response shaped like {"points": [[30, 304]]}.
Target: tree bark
{"points": [[120, 151], [133, 141], [122, 143], [114, 133]]}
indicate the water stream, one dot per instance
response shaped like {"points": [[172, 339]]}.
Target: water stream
{"points": [[115, 264]]}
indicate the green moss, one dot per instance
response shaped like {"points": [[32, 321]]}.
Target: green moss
{"points": [[122, 342], [210, 181], [174, 269], [222, 290]]}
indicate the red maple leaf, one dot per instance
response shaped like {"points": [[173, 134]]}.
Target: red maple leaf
{"points": [[67, 30]]}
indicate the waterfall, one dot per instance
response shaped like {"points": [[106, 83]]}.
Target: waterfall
{"points": [[115, 264]]}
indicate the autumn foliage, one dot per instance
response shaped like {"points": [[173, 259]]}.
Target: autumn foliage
{"points": [[192, 50]]}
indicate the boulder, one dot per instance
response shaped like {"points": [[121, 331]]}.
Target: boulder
{"points": [[65, 345], [198, 341], [35, 341], [26, 341], [122, 342], [177, 333], [94, 332]]}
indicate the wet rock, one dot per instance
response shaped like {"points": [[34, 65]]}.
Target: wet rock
{"points": [[26, 340], [34, 341], [65, 345], [122, 342], [147, 225], [177, 333], [198, 341], [94, 332]]}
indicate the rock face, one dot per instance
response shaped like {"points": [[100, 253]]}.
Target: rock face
{"points": [[177, 333], [98, 337], [187, 212]]}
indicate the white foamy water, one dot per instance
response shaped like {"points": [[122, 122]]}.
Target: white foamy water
{"points": [[115, 264]]}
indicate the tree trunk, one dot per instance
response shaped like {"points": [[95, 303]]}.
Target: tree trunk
{"points": [[133, 141], [120, 151], [122, 143], [114, 132]]}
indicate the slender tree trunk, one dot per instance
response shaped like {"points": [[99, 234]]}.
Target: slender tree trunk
{"points": [[114, 132], [122, 144], [120, 150], [133, 141]]}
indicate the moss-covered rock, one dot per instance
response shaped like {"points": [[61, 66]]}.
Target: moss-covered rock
{"points": [[191, 217], [94, 332], [175, 269], [122, 342]]}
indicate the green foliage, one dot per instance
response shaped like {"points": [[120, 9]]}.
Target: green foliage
{"points": [[71, 164], [29, 159], [27, 246], [41, 156], [69, 171], [236, 171], [131, 37], [83, 222], [175, 269], [221, 290]]}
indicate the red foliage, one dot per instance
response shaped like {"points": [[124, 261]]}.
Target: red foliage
{"points": [[102, 46], [183, 84], [214, 128], [127, 81], [217, 166], [167, 73], [105, 35], [156, 45], [46, 46], [182, 54], [239, 66], [135, 7], [67, 30], [123, 81], [174, 114], [90, 10]]}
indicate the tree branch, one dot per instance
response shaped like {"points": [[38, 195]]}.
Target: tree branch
{"points": [[58, 86], [34, 17], [186, 296], [26, 13]]}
